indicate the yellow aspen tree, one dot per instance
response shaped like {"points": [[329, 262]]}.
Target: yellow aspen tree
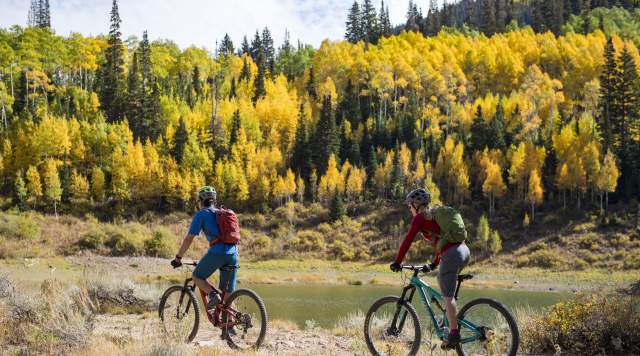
{"points": [[563, 181], [355, 183], [279, 190], [535, 194], [97, 184], [52, 185], [79, 187], [300, 186], [607, 178], [34, 185], [290, 184], [493, 185], [119, 177], [331, 182]]}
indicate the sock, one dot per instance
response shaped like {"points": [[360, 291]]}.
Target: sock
{"points": [[454, 332]]}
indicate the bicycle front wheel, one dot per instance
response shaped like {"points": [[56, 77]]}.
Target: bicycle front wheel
{"points": [[392, 328], [491, 326], [179, 313], [246, 313]]}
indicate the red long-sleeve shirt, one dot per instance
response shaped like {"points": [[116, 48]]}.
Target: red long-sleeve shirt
{"points": [[431, 232]]}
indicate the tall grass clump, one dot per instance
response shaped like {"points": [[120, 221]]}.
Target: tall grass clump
{"points": [[19, 226], [588, 325]]}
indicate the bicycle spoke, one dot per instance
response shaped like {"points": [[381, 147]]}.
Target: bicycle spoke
{"points": [[246, 319], [496, 334], [178, 315], [391, 329]]}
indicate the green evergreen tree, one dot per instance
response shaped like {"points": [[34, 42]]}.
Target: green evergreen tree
{"points": [[21, 100], [337, 210], [259, 89], [245, 73], [235, 127], [245, 48], [135, 97], [488, 19], [386, 29], [608, 94], [397, 177], [353, 32], [479, 134], [180, 139], [626, 121], [232, 89], [226, 46], [269, 50], [301, 155], [496, 133], [413, 18], [111, 81], [325, 142], [256, 46], [369, 22], [311, 85], [196, 83]]}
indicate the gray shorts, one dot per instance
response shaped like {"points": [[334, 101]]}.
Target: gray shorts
{"points": [[451, 264]]}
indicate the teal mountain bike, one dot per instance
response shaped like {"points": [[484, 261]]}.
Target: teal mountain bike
{"points": [[392, 325]]}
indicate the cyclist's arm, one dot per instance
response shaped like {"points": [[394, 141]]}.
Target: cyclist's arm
{"points": [[186, 243], [408, 239]]}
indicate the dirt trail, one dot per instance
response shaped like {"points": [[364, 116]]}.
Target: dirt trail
{"points": [[281, 339]]}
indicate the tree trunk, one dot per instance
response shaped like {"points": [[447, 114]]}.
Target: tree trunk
{"points": [[564, 199], [533, 212], [55, 208]]}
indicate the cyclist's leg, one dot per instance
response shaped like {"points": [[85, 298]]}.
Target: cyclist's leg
{"points": [[209, 263], [452, 262], [228, 273]]}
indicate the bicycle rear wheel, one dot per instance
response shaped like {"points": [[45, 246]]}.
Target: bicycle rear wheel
{"points": [[179, 313], [498, 330], [249, 317], [392, 328]]}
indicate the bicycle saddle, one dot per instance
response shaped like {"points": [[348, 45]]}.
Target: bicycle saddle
{"points": [[464, 277]]}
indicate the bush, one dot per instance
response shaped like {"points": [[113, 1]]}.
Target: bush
{"points": [[94, 239], [308, 241], [262, 242], [342, 251], [588, 325], [20, 227], [541, 258], [162, 244], [126, 241]]}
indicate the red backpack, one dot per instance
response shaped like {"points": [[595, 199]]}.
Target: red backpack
{"points": [[229, 228]]}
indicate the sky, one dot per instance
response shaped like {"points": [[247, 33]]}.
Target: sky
{"points": [[201, 22]]}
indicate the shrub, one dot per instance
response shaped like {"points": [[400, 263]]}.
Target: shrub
{"points": [[632, 261], [162, 244], [125, 242], [262, 242], [308, 241], [93, 239], [21, 227], [342, 251], [587, 325], [545, 259], [580, 264]]}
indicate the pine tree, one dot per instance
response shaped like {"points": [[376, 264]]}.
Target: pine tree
{"points": [[627, 115], [39, 14], [397, 176], [135, 98], [244, 48], [235, 127], [111, 87], [180, 139], [608, 95], [385, 22], [488, 20], [501, 15], [337, 210], [311, 85], [246, 72], [413, 18], [196, 84], [256, 46], [369, 22], [479, 132], [301, 156], [21, 100], [433, 22], [496, 133], [232, 89], [325, 142], [353, 32], [269, 50], [259, 89], [226, 46]]}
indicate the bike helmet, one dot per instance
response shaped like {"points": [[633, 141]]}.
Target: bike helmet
{"points": [[418, 197], [207, 193]]}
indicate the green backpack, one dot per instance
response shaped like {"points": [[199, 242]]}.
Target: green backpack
{"points": [[451, 225]]}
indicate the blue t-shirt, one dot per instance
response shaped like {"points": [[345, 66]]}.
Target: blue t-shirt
{"points": [[205, 220]]}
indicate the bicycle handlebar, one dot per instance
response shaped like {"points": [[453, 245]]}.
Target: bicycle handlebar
{"points": [[419, 269]]}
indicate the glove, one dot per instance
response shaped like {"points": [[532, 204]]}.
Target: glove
{"points": [[395, 267], [175, 263], [432, 266]]}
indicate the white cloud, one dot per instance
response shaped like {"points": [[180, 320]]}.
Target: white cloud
{"points": [[201, 22]]}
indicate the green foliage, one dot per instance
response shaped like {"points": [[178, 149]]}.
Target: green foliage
{"points": [[127, 240], [162, 244], [342, 251], [542, 258], [19, 226], [93, 239], [483, 232], [496, 242], [617, 20], [307, 241], [338, 209]]}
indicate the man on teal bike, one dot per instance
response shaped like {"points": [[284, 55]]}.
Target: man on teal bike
{"points": [[222, 256], [442, 226]]}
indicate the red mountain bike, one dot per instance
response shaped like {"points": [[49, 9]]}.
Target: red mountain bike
{"points": [[241, 315]]}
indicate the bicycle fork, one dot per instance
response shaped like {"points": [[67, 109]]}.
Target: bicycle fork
{"points": [[398, 329]]}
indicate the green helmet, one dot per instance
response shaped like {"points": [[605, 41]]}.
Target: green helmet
{"points": [[206, 193]]}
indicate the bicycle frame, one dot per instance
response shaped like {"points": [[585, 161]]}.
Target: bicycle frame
{"points": [[212, 315], [429, 295]]}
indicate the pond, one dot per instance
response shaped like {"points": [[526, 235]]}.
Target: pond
{"points": [[326, 304]]}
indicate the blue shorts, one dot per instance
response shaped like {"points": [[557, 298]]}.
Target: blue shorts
{"points": [[226, 263]]}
